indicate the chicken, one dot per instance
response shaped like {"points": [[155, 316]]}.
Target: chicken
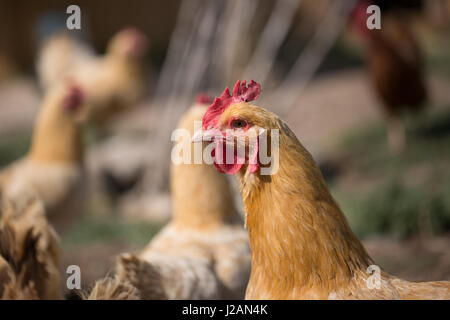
{"points": [[29, 251], [203, 252], [114, 82], [53, 167], [396, 68], [301, 244]]}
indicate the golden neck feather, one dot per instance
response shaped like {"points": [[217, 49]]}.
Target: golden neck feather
{"points": [[299, 237]]}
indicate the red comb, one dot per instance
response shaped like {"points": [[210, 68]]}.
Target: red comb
{"points": [[203, 98], [241, 93], [73, 97]]}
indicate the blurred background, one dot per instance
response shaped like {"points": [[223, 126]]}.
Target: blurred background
{"points": [[319, 72]]}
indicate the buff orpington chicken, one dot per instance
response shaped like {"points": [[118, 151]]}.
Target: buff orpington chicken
{"points": [[203, 252], [29, 251], [301, 244], [53, 167], [114, 82]]}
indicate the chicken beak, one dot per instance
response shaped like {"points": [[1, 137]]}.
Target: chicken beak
{"points": [[205, 135]]}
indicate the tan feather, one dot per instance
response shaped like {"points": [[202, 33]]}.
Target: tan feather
{"points": [[29, 252], [111, 289]]}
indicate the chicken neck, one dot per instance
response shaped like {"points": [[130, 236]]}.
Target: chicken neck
{"points": [[300, 241], [56, 137], [201, 197]]}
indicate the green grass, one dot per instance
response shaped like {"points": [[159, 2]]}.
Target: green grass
{"points": [[411, 192], [102, 229], [437, 53], [12, 147], [428, 141], [400, 211]]}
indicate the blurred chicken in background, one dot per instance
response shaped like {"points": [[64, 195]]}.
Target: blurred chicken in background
{"points": [[395, 65], [53, 167], [7, 68], [114, 82], [203, 253], [29, 251]]}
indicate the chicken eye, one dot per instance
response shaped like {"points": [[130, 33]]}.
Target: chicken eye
{"points": [[238, 124]]}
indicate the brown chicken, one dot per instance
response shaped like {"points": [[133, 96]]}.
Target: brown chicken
{"points": [[53, 167], [203, 253], [396, 68], [29, 251], [301, 244], [113, 82]]}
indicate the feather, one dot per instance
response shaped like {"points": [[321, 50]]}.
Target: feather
{"points": [[29, 251]]}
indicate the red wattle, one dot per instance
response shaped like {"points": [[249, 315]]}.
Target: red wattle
{"points": [[219, 157]]}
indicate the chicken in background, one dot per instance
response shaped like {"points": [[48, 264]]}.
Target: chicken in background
{"points": [[301, 244], [396, 67], [29, 251], [53, 167], [114, 82], [203, 252]]}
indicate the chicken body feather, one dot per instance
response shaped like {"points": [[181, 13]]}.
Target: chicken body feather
{"points": [[110, 289], [29, 251], [59, 185]]}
